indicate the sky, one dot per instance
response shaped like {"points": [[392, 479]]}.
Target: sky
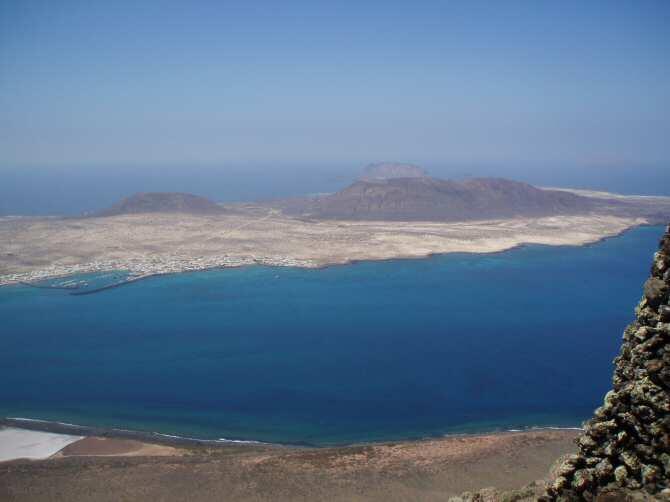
{"points": [[544, 84]]}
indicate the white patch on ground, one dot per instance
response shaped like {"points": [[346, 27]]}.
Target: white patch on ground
{"points": [[23, 443]]}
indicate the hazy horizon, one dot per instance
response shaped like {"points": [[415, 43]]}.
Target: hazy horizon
{"points": [[75, 190], [541, 84], [239, 101]]}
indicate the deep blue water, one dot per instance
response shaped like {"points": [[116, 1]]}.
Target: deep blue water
{"points": [[374, 350]]}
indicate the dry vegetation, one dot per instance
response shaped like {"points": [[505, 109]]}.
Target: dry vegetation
{"points": [[423, 470]]}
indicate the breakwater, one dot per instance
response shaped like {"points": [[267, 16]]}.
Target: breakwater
{"points": [[111, 286]]}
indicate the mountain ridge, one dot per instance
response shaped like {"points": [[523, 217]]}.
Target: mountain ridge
{"points": [[434, 199], [163, 202]]}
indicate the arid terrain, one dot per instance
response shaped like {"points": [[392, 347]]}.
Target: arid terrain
{"points": [[153, 243], [118, 469], [398, 212]]}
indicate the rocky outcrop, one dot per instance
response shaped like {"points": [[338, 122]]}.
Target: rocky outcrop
{"points": [[163, 202], [391, 191], [422, 198], [624, 451]]}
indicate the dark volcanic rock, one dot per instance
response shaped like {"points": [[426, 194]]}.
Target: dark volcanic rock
{"points": [[430, 199], [628, 439], [163, 202], [654, 290]]}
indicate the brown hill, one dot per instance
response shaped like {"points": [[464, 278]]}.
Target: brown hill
{"points": [[163, 202], [425, 198]]}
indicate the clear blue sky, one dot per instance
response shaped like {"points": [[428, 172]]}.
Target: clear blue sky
{"points": [[199, 82]]}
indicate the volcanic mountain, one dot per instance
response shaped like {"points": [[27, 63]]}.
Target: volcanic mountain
{"points": [[431, 199], [163, 202], [391, 170]]}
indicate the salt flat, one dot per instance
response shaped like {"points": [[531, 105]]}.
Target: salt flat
{"points": [[23, 443]]}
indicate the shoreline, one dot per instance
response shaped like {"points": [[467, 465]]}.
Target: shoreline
{"points": [[152, 437], [189, 268], [64, 428]]}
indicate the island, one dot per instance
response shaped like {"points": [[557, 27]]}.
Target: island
{"points": [[392, 211]]}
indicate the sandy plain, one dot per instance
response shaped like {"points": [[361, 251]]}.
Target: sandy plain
{"points": [[104, 469]]}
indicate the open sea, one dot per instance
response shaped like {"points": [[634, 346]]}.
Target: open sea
{"points": [[372, 351]]}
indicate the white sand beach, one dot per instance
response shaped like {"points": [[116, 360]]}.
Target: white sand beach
{"points": [[23, 443]]}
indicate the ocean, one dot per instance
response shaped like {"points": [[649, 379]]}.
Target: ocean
{"points": [[385, 350]]}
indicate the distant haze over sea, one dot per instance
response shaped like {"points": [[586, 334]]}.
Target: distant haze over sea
{"points": [[74, 190]]}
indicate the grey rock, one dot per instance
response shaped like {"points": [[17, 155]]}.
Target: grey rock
{"points": [[604, 469], [631, 461], [643, 333], [650, 474], [665, 462], [654, 365], [602, 428], [559, 483], [655, 290], [621, 475], [586, 442]]}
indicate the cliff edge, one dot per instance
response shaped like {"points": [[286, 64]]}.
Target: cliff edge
{"points": [[624, 451]]}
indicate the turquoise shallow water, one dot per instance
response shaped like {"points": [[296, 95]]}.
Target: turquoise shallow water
{"points": [[363, 352]]}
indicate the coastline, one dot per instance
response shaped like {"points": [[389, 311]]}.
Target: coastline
{"points": [[152, 437], [65, 428], [249, 437], [152, 266], [518, 464]]}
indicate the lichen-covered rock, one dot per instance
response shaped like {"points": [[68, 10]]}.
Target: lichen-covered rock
{"points": [[602, 428], [611, 494], [650, 474], [559, 483], [631, 461], [624, 451], [582, 479], [621, 475], [604, 469], [664, 459], [564, 470], [655, 290], [586, 442]]}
